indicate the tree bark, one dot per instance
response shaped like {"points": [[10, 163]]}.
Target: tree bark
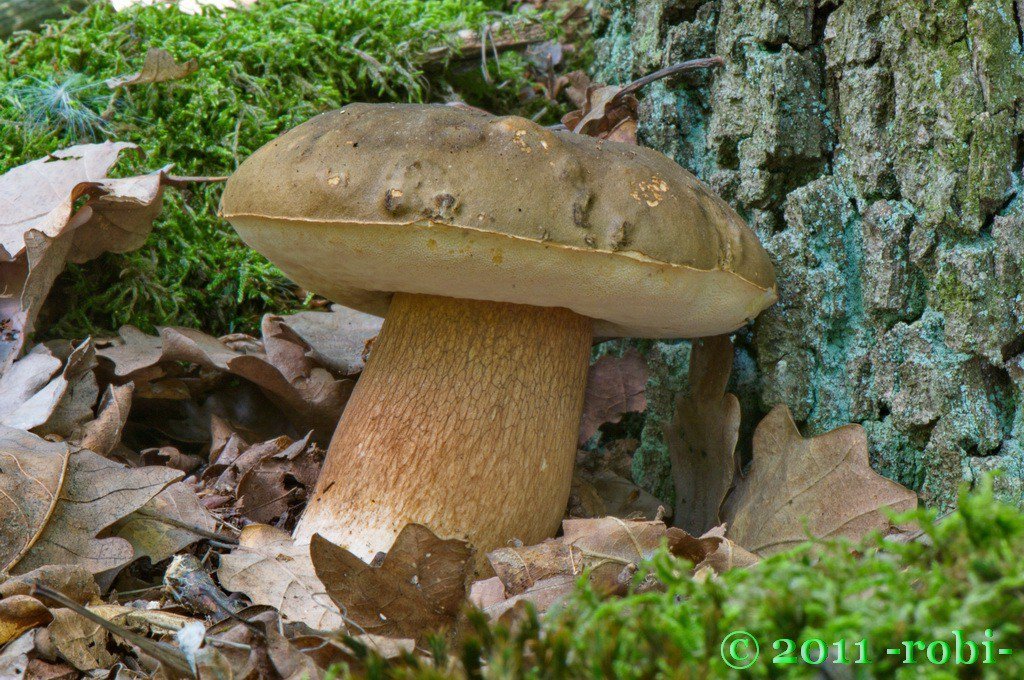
{"points": [[876, 146]]}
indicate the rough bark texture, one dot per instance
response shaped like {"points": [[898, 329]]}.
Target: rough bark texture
{"points": [[876, 147], [465, 419]]}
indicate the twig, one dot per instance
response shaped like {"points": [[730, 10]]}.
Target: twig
{"points": [[198, 531], [692, 64]]}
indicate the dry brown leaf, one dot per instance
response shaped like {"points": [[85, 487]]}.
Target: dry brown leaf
{"points": [[14, 657], [85, 644], [710, 551], [308, 395], [59, 498], [42, 229], [20, 613], [543, 595], [601, 486], [419, 588], [607, 546], [279, 482], [702, 437], [604, 111], [156, 539], [61, 405], [615, 385], [337, 339], [259, 649], [159, 66], [73, 581], [822, 487], [271, 569], [103, 434]]}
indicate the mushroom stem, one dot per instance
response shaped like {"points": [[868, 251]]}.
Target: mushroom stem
{"points": [[465, 420]]}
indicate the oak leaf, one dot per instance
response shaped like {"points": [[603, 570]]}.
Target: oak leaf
{"points": [[615, 385], [823, 487], [149, 532], [419, 587], [702, 437], [271, 569], [338, 339], [57, 498]]}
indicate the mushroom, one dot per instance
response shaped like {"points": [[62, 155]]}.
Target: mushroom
{"points": [[496, 250]]}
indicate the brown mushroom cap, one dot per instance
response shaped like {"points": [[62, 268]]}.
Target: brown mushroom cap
{"points": [[374, 199]]}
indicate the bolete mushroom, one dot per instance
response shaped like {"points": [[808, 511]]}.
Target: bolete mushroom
{"points": [[496, 249]]}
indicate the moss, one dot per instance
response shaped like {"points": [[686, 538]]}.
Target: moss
{"points": [[963, 575], [261, 72]]}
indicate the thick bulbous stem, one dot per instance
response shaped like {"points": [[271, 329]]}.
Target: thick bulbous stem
{"points": [[465, 420]]}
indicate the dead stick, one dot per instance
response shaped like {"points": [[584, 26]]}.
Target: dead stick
{"points": [[692, 64], [198, 531]]}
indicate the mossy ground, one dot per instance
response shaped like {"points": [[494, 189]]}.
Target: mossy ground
{"points": [[963, 574], [261, 72]]}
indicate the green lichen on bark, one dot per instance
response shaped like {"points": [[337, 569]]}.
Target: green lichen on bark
{"points": [[876, 146]]}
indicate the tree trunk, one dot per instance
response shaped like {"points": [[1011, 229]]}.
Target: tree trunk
{"points": [[876, 147], [17, 15]]}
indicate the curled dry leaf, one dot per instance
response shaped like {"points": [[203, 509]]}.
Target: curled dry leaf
{"points": [[271, 569], [711, 551], [103, 434], [338, 339], [419, 587], [159, 66], [606, 546], [45, 226], [606, 112], [601, 486], [823, 487], [20, 613], [58, 406], [257, 648], [309, 395], [58, 498], [14, 657], [615, 385], [72, 580], [702, 437]]}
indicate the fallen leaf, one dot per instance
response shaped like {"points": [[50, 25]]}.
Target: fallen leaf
{"points": [[271, 569], [103, 434], [604, 546], [602, 486], [712, 550], [308, 394], [279, 482], [47, 225], [14, 657], [615, 385], [337, 339], [257, 648], [20, 613], [702, 437], [60, 498], [65, 402], [156, 539], [419, 587], [159, 66], [543, 595], [85, 644], [73, 581], [823, 487]]}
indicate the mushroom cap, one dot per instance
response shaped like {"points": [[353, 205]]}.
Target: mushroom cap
{"points": [[374, 199]]}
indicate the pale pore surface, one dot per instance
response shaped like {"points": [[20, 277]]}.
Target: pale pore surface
{"points": [[360, 265], [465, 420]]}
